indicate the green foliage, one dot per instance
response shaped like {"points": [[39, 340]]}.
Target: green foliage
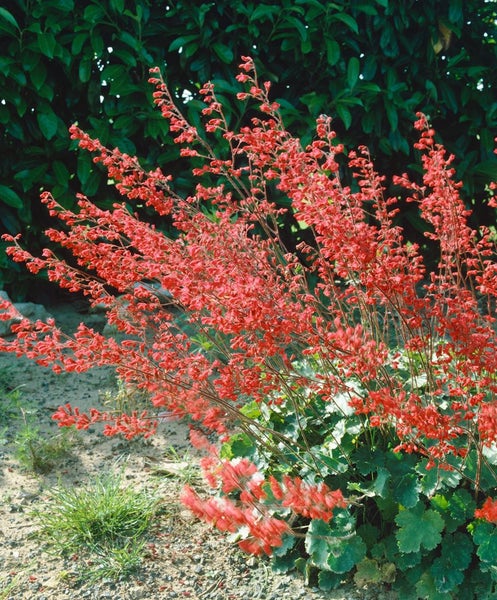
{"points": [[418, 528], [369, 64], [36, 451], [407, 526], [9, 404], [64, 62], [105, 523], [40, 452], [335, 548]]}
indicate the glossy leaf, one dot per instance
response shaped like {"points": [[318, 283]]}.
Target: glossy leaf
{"points": [[349, 21], [7, 21], [48, 123], [353, 69], [47, 43], [10, 197]]}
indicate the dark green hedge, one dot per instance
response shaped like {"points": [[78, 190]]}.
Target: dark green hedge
{"points": [[371, 64]]}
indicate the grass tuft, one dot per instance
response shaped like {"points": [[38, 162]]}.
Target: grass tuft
{"points": [[39, 453], [104, 523]]}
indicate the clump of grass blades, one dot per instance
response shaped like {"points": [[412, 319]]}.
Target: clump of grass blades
{"points": [[10, 402], [103, 523], [39, 453]]}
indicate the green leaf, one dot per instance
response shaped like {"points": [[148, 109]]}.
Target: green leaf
{"points": [[78, 42], [316, 543], [336, 547], [315, 102], [297, 23], [126, 124], [314, 3], [487, 168], [284, 563], [91, 186], [47, 43], [264, 12], [370, 66], [344, 114], [348, 20], [182, 41], [332, 52], [239, 445], [94, 13], [128, 58], [225, 53], [252, 410], [65, 5], [367, 9], [120, 83], [485, 537], [370, 534], [431, 88], [426, 588], [457, 550], [84, 70], [7, 21], [433, 479], [38, 75], [328, 581], [242, 445], [407, 489], [61, 173], [31, 176], [367, 572], [392, 115], [449, 96], [8, 196], [455, 11], [48, 123], [130, 40], [368, 460], [97, 43], [444, 578], [15, 129], [353, 69], [380, 485], [368, 121], [288, 543], [344, 554], [418, 528], [461, 506], [306, 46], [84, 168], [117, 6]]}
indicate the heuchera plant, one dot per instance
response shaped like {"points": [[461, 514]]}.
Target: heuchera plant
{"points": [[351, 390]]}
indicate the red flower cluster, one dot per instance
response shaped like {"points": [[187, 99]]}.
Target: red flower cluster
{"points": [[488, 511], [265, 532], [257, 501], [215, 316]]}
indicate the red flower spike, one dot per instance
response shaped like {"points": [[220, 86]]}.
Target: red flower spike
{"points": [[247, 300]]}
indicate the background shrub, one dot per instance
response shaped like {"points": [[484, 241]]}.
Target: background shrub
{"points": [[369, 64]]}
